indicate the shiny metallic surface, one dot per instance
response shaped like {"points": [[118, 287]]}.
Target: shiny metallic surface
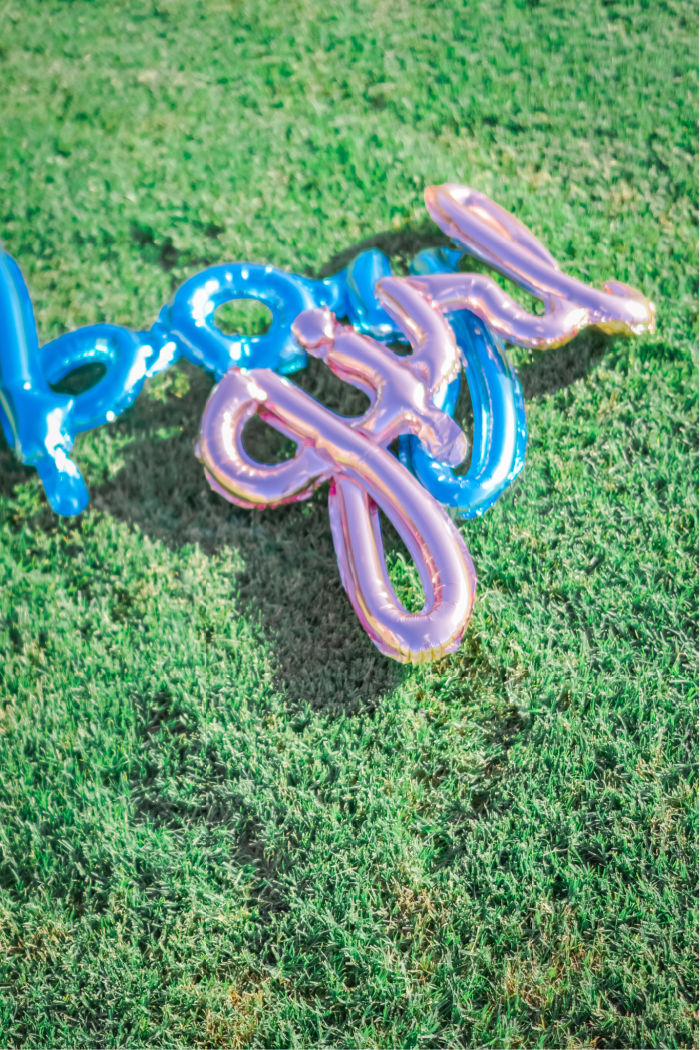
{"points": [[41, 425], [35, 420], [487, 231], [498, 410], [365, 478], [399, 387], [500, 432], [435, 358]]}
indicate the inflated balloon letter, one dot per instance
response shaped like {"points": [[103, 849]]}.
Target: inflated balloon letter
{"points": [[364, 476], [490, 233]]}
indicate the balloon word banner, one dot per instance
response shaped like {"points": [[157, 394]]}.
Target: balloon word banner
{"points": [[456, 323]]}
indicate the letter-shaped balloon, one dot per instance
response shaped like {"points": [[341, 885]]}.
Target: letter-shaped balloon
{"points": [[500, 429], [33, 417], [41, 425], [481, 314], [487, 231], [365, 476]]}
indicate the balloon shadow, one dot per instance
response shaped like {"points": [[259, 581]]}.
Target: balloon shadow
{"points": [[288, 582], [400, 245], [548, 371], [12, 472]]}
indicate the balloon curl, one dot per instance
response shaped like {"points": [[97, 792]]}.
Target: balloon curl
{"points": [[490, 233], [365, 477]]}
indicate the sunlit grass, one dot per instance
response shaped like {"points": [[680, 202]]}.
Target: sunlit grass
{"points": [[225, 819]]}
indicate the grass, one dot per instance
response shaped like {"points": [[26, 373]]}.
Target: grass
{"points": [[226, 820]]}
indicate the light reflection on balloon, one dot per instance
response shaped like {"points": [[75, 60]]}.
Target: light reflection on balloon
{"points": [[351, 453], [482, 314], [451, 319]]}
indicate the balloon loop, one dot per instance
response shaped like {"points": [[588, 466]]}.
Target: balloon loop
{"points": [[365, 477]]}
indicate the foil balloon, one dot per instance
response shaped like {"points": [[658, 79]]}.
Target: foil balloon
{"points": [[33, 417], [487, 231], [364, 476], [498, 408], [452, 320], [41, 424], [190, 319]]}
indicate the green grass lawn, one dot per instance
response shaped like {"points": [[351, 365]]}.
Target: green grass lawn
{"points": [[225, 819]]}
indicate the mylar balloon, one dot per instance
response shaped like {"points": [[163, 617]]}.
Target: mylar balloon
{"points": [[500, 429], [365, 477], [487, 231]]}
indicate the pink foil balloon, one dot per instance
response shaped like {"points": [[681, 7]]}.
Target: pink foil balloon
{"points": [[498, 239], [365, 476]]}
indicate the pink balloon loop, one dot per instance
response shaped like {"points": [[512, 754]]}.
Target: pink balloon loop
{"points": [[364, 476], [490, 233]]}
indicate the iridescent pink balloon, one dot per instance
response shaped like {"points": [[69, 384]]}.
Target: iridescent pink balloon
{"points": [[365, 476], [500, 240]]}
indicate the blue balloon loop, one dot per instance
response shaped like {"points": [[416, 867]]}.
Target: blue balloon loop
{"points": [[190, 321], [128, 357], [500, 428], [35, 420]]}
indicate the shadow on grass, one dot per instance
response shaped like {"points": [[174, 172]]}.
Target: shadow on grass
{"points": [[289, 578], [400, 246], [552, 370]]}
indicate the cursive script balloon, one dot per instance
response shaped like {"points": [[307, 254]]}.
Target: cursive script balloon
{"points": [[365, 476], [41, 424], [481, 313], [487, 231], [500, 430]]}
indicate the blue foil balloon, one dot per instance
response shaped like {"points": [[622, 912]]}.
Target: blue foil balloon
{"points": [[500, 429], [364, 311], [189, 319], [41, 424], [35, 420], [129, 358]]}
